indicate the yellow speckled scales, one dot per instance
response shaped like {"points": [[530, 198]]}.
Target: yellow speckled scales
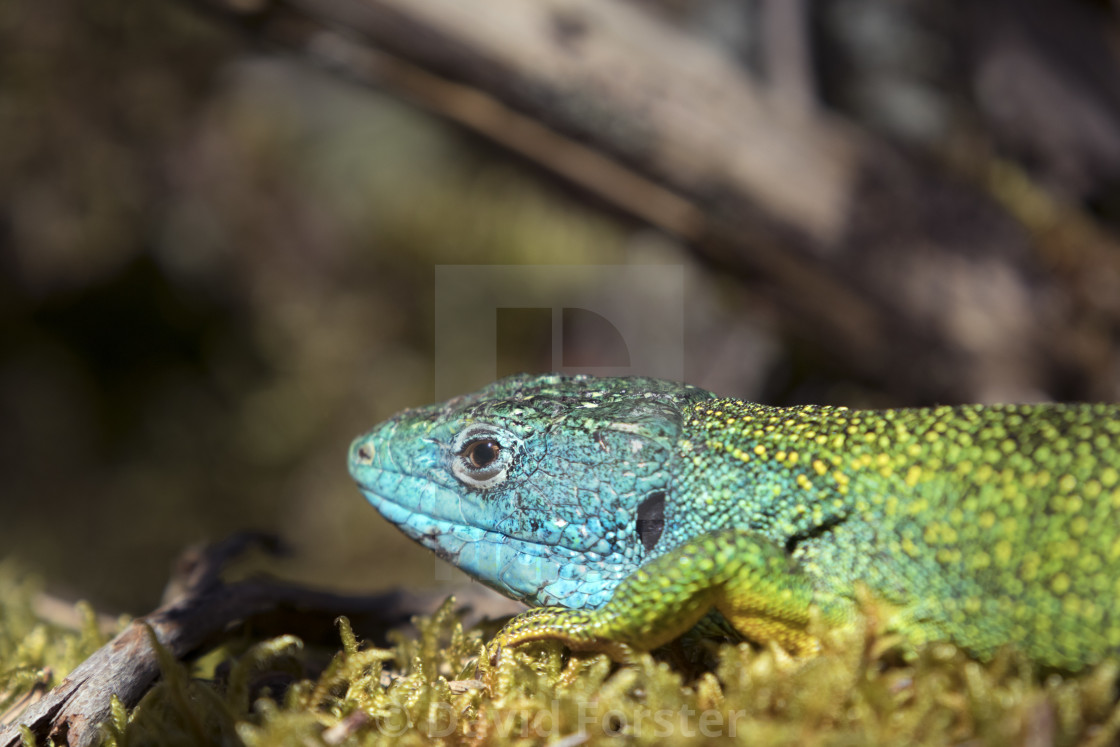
{"points": [[984, 525]]}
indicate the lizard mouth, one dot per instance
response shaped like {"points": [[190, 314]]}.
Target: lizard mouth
{"points": [[530, 571]]}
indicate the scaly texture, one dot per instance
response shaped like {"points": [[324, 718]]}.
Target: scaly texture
{"points": [[631, 508]]}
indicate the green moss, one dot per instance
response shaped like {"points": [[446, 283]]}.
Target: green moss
{"points": [[860, 691], [35, 654]]}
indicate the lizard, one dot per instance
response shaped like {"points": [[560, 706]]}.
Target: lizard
{"points": [[626, 511]]}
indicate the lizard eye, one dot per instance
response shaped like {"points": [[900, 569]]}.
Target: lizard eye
{"points": [[482, 453], [480, 459]]}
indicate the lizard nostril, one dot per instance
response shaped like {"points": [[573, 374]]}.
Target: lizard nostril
{"points": [[365, 453]]}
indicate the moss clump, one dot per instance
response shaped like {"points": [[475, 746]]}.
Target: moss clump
{"points": [[35, 654], [420, 691]]}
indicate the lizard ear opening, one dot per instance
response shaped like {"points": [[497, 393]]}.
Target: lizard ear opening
{"points": [[651, 519]]}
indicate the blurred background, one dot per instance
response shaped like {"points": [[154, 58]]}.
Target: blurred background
{"points": [[219, 242]]}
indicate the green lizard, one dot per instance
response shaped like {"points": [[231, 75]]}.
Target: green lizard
{"points": [[631, 508]]}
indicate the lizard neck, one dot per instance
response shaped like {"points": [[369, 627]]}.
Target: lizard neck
{"points": [[778, 471]]}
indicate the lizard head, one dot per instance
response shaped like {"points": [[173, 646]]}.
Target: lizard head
{"points": [[549, 488]]}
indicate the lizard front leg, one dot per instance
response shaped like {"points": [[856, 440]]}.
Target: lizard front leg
{"points": [[749, 580]]}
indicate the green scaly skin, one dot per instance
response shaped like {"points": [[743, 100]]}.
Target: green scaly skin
{"points": [[632, 508]]}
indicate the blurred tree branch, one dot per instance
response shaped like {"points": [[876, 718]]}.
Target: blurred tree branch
{"points": [[915, 278]]}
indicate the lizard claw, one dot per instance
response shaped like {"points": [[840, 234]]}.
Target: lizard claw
{"points": [[486, 668]]}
